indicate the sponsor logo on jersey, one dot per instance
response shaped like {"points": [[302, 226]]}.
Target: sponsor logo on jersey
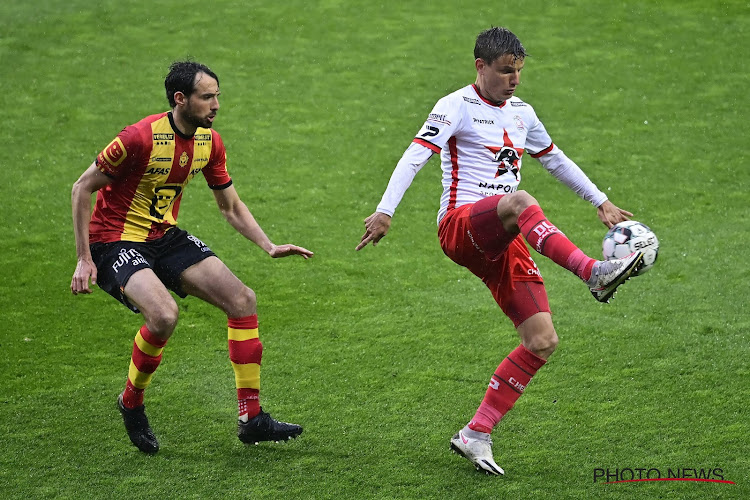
{"points": [[434, 117], [518, 104], [162, 158], [484, 122], [184, 159], [158, 170], [163, 137], [202, 137], [430, 131], [115, 153], [471, 100], [505, 188]]}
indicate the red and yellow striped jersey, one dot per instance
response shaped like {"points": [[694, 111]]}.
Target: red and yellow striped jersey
{"points": [[150, 164]]}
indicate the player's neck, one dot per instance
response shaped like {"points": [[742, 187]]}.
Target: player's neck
{"points": [[485, 96], [181, 126]]}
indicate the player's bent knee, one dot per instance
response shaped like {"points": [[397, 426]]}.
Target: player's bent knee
{"points": [[162, 320], [520, 201], [244, 303], [543, 345]]}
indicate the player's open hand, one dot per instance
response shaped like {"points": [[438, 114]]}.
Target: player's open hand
{"points": [[85, 270], [610, 215], [278, 251], [376, 227]]}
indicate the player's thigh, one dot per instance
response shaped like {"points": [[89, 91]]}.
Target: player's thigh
{"points": [[487, 229], [146, 291], [212, 281]]}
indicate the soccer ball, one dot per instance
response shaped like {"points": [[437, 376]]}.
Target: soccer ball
{"points": [[628, 237]]}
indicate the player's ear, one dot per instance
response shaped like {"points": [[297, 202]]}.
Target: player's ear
{"points": [[179, 98], [479, 64]]}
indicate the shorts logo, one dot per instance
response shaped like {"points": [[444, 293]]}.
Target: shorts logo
{"points": [[115, 153], [199, 243], [133, 257]]}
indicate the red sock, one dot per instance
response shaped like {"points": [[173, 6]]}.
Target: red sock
{"points": [[245, 353], [549, 241], [147, 351], [506, 386]]}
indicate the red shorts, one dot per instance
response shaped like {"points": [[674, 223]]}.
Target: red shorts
{"points": [[473, 236]]}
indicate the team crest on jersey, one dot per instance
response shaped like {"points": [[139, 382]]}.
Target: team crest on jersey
{"points": [[519, 122], [508, 160], [507, 157], [184, 159]]}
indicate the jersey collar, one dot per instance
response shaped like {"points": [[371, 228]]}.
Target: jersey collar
{"points": [[174, 127], [479, 94]]}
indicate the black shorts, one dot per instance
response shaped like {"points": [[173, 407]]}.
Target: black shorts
{"points": [[168, 257]]}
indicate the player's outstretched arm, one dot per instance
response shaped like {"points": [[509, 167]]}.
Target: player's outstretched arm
{"points": [[90, 181], [376, 227], [610, 214], [239, 217]]}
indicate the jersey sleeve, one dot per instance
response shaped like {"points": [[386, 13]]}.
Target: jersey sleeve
{"points": [[441, 124], [215, 171], [414, 158], [121, 153], [538, 141]]}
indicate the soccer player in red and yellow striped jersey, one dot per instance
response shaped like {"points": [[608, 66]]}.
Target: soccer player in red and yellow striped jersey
{"points": [[131, 247]]}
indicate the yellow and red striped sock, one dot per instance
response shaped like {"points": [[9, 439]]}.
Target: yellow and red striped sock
{"points": [[245, 352], [147, 351]]}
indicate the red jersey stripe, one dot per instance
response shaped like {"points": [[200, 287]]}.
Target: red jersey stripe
{"points": [[543, 151], [454, 172], [427, 144]]}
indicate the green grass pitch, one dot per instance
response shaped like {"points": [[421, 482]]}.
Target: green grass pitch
{"points": [[383, 354]]}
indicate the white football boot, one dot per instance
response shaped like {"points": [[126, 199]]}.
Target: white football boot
{"points": [[477, 451], [607, 275]]}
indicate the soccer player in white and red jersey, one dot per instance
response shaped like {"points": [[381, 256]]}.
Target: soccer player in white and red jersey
{"points": [[132, 248], [481, 133]]}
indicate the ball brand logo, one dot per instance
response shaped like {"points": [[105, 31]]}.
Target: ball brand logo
{"points": [[640, 474]]}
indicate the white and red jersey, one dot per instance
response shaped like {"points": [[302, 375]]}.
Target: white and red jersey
{"points": [[481, 146]]}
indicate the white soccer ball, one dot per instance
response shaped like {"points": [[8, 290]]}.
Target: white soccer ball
{"points": [[628, 237]]}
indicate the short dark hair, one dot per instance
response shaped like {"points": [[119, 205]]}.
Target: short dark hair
{"points": [[181, 78], [496, 42]]}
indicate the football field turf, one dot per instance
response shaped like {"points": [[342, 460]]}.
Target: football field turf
{"points": [[383, 354]]}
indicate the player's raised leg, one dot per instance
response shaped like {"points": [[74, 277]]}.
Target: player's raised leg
{"points": [[212, 281], [148, 294], [521, 213]]}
